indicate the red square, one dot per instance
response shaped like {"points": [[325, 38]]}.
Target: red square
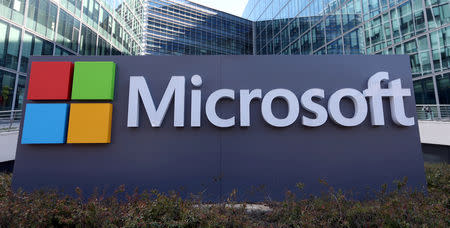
{"points": [[50, 81]]}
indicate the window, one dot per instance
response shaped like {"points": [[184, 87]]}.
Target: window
{"points": [[353, 43], [438, 15], [295, 48], [13, 10], [9, 46], [88, 41], [305, 44], [20, 93], [294, 29], [7, 82], [318, 36], [73, 6], [33, 45], [42, 17], [103, 47], [105, 23], [91, 12], [424, 91], [443, 85], [406, 20], [335, 47], [68, 31], [333, 27]]}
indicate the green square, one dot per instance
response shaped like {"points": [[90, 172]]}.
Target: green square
{"points": [[93, 81]]}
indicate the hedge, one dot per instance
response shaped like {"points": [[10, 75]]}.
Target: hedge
{"points": [[400, 208]]}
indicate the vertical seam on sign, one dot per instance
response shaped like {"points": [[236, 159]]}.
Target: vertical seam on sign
{"points": [[110, 121], [66, 127], [221, 173], [113, 84]]}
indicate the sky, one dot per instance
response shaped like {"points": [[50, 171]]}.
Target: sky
{"points": [[235, 7]]}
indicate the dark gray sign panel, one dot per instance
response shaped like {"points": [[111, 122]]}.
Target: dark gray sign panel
{"points": [[261, 161]]}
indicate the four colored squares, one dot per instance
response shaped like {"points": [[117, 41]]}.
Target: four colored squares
{"points": [[57, 123]]}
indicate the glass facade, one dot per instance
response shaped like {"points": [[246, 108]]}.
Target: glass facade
{"points": [[418, 28], [62, 27], [178, 27]]}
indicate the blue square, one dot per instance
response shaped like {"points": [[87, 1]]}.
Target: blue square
{"points": [[45, 124]]}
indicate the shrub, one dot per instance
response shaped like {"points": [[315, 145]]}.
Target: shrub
{"points": [[401, 208]]}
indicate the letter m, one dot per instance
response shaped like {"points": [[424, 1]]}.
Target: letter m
{"points": [[139, 88]]}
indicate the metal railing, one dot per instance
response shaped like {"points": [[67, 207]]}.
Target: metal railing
{"points": [[10, 120], [433, 112]]}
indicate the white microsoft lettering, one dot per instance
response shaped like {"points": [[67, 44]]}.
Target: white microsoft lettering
{"points": [[196, 101], [359, 102], [175, 92], [316, 109], [293, 107], [246, 98], [139, 87], [211, 108]]}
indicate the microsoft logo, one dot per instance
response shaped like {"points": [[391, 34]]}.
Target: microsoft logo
{"points": [[49, 122]]}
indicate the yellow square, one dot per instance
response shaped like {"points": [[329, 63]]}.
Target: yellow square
{"points": [[90, 123]]}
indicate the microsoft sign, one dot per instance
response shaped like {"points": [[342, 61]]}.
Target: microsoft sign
{"points": [[211, 124], [176, 91]]}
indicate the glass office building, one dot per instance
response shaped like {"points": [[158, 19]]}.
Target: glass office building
{"points": [[62, 27], [179, 27], [419, 28]]}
